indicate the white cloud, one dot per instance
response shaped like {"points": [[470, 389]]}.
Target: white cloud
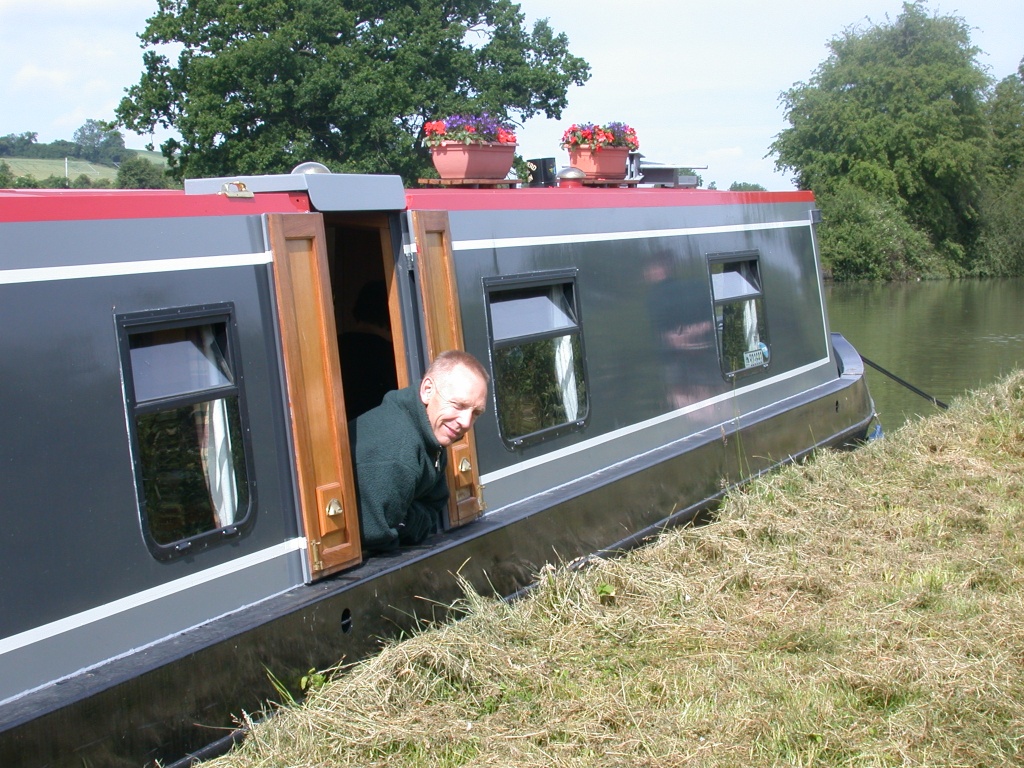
{"points": [[32, 77]]}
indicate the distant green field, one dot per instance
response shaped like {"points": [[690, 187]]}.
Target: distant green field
{"points": [[41, 169]]}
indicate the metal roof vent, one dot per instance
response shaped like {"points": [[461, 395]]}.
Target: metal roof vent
{"points": [[571, 176], [311, 167]]}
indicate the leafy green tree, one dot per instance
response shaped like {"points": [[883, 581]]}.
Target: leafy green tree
{"points": [[1003, 229], [1002, 239], [138, 173], [89, 138], [867, 237], [56, 150], [99, 143], [1005, 112], [6, 176], [746, 186], [53, 181], [897, 110], [17, 144], [260, 87], [25, 145]]}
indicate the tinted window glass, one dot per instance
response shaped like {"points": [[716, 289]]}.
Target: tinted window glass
{"points": [[539, 377], [193, 469], [739, 314], [187, 429], [539, 385]]}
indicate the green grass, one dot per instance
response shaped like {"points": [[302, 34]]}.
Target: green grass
{"points": [[861, 609], [42, 169]]}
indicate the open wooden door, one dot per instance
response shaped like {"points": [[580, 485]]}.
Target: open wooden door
{"points": [[443, 326], [315, 398]]}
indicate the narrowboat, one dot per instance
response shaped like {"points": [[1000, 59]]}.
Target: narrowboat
{"points": [[180, 522]]}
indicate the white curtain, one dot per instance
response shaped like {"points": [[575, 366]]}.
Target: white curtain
{"points": [[565, 369], [750, 336], [216, 445]]}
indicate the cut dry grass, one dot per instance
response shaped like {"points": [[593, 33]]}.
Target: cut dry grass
{"points": [[862, 609]]}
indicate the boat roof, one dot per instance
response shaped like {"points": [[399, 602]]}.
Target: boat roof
{"points": [[562, 198], [86, 204], [301, 193]]}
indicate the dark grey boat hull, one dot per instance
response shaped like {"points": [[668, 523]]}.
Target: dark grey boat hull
{"points": [[123, 645]]}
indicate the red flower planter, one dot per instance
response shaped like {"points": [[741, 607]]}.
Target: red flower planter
{"points": [[603, 163], [455, 160]]}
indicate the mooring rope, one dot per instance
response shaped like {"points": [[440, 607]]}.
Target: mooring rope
{"points": [[906, 384]]}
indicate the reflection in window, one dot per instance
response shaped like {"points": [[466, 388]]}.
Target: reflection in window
{"points": [[739, 314], [190, 454], [539, 381]]}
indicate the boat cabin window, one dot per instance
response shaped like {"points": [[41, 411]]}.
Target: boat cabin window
{"points": [[540, 387], [183, 396], [739, 312]]}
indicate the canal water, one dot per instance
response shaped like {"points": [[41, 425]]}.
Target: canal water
{"points": [[944, 337]]}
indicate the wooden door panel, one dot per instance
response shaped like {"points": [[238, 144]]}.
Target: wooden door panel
{"points": [[316, 404], [443, 327]]}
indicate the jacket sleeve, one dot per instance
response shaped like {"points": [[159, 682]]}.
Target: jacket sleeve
{"points": [[386, 493], [425, 512]]}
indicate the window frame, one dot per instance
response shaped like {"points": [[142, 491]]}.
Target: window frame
{"points": [[735, 257], [496, 285], [130, 324]]}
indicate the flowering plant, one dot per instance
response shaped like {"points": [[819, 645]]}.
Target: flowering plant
{"points": [[598, 136], [468, 129]]}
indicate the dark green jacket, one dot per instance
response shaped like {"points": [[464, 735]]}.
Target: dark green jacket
{"points": [[399, 468]]}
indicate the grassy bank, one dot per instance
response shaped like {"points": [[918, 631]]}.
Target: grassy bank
{"points": [[864, 609]]}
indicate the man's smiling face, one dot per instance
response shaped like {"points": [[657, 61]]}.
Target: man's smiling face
{"points": [[454, 401]]}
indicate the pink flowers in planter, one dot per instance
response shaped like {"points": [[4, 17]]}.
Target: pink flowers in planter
{"points": [[596, 137], [468, 129]]}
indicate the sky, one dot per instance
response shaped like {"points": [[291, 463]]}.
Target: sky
{"points": [[699, 80]]}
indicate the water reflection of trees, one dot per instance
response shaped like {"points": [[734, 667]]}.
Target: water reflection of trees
{"points": [[177, 472], [945, 337], [539, 385]]}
